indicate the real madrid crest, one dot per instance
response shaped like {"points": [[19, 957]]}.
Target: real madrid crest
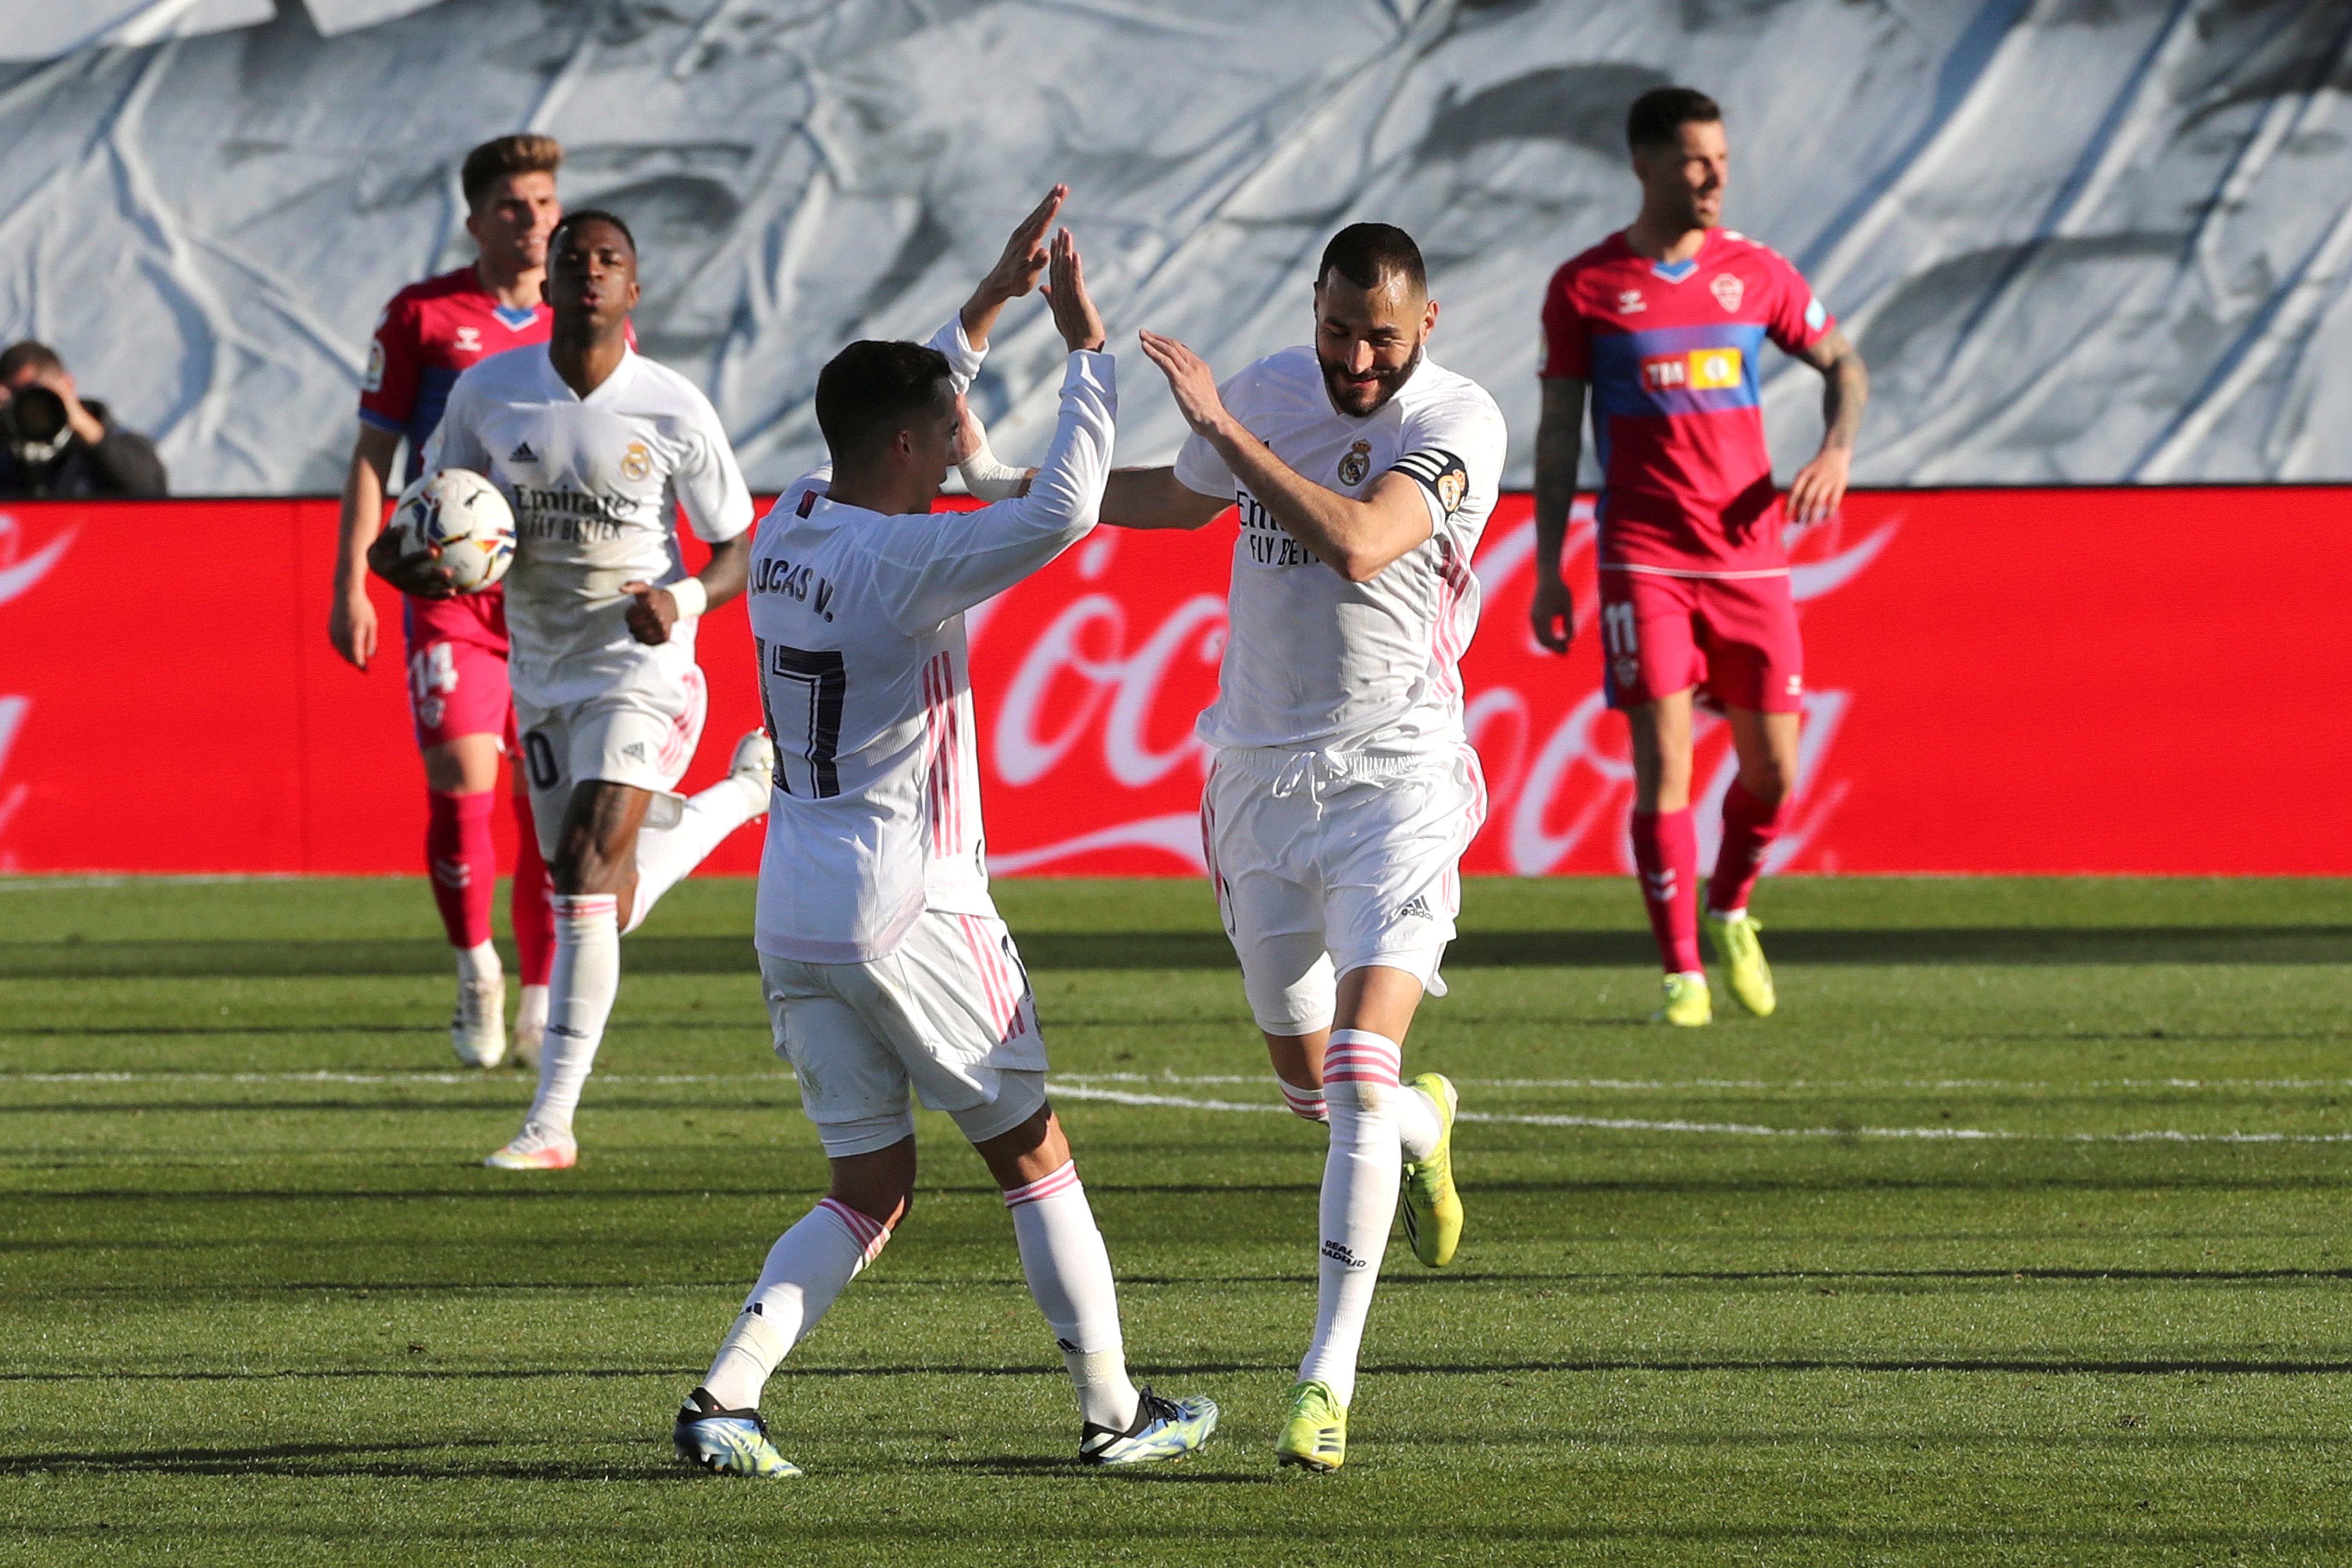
{"points": [[1727, 291], [636, 462], [1356, 464]]}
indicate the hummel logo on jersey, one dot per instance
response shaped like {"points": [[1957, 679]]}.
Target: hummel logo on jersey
{"points": [[1339, 1255], [1416, 909], [635, 749], [470, 339], [1660, 886], [1629, 303], [523, 454]]}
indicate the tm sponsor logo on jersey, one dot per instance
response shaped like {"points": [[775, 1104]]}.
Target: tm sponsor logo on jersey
{"points": [[566, 516], [774, 574], [1700, 370], [1269, 544]]}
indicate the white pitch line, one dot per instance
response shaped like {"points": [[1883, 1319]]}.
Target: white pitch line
{"points": [[1737, 1128], [1082, 1087]]}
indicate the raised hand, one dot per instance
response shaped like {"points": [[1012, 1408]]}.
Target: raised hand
{"points": [[1073, 313], [1191, 382], [1016, 271]]}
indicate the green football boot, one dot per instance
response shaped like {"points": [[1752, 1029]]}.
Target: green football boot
{"points": [[1687, 1001], [1315, 1436], [728, 1442], [1743, 957], [1431, 1208]]}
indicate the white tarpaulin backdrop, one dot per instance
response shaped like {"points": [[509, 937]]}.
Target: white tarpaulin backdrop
{"points": [[2076, 239]]}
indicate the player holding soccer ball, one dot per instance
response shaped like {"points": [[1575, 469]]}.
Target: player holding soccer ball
{"points": [[1662, 325], [593, 444], [457, 645], [881, 953], [1344, 790]]}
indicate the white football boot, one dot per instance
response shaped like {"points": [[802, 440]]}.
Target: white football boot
{"points": [[478, 1029], [754, 762], [538, 1147]]}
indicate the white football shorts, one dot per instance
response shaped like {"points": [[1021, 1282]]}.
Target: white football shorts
{"points": [[948, 1011], [643, 735], [1321, 870]]}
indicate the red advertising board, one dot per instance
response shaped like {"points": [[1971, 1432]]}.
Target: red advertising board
{"points": [[2060, 681]]}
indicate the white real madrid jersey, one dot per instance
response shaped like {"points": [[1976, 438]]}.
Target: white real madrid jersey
{"points": [[857, 623], [1312, 662], [596, 483]]}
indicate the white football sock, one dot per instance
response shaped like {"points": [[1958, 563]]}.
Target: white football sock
{"points": [[476, 964], [1307, 1103], [586, 975], [665, 855], [1069, 1274], [806, 1271], [1417, 1123], [1359, 1199]]}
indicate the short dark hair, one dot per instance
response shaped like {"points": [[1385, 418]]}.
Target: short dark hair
{"points": [[571, 221], [19, 357], [1368, 254], [494, 159], [1662, 112], [870, 389]]}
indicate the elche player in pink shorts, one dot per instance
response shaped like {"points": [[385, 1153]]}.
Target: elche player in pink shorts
{"points": [[456, 647], [1662, 325]]}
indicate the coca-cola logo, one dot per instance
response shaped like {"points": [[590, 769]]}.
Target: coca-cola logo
{"points": [[1089, 677]]}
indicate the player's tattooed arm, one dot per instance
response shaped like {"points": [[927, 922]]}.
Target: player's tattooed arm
{"points": [[1560, 444], [1357, 539], [653, 611], [1016, 271], [1819, 489]]}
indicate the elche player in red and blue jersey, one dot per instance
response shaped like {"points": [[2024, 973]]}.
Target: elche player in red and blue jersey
{"points": [[456, 647], [1661, 326]]}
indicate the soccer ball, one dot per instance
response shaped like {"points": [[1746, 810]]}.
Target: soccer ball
{"points": [[463, 513]]}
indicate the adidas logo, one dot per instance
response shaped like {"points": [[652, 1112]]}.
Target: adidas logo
{"points": [[523, 454], [635, 749], [1415, 909]]}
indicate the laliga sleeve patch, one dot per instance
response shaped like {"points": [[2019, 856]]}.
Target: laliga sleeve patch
{"points": [[1814, 314], [373, 380], [1441, 473]]}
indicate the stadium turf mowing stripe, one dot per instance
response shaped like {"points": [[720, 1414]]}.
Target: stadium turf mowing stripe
{"points": [[258, 1303]]}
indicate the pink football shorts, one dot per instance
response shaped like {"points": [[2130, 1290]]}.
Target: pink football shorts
{"points": [[1734, 638], [457, 667]]}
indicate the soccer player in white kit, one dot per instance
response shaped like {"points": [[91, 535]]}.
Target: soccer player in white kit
{"points": [[884, 961], [596, 447], [1344, 788]]}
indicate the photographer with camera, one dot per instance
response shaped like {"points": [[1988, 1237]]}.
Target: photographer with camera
{"points": [[53, 443]]}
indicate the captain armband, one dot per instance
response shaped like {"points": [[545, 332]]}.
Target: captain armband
{"points": [[1444, 476]]}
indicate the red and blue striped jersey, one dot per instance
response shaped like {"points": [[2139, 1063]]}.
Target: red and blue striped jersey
{"points": [[428, 335], [1670, 352]]}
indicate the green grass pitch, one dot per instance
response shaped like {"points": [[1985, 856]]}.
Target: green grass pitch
{"points": [[2020, 1237]]}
